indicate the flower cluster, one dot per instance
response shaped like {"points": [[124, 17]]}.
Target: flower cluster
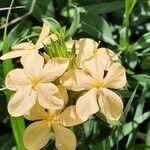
{"points": [[41, 88]]}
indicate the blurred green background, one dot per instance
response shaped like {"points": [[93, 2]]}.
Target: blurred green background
{"points": [[120, 25]]}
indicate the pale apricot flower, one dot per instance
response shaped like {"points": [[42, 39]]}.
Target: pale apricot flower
{"points": [[25, 48], [32, 83], [98, 96], [37, 134], [86, 48]]}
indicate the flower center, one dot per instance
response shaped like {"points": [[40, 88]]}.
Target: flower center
{"points": [[35, 83], [98, 84], [52, 119]]}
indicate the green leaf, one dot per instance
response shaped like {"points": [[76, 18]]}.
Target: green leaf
{"points": [[42, 9], [74, 25], [55, 27], [6, 141], [103, 7], [128, 128], [143, 79], [131, 59], [142, 42], [139, 110], [19, 31], [146, 63], [148, 139], [128, 106], [97, 26]]}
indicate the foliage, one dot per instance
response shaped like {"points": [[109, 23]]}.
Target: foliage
{"points": [[121, 25]]}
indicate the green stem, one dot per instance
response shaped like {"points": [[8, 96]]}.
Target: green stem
{"points": [[17, 124], [126, 23]]}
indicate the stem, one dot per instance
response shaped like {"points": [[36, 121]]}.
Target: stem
{"points": [[17, 124], [126, 23]]}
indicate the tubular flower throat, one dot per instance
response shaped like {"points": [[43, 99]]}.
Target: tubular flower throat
{"points": [[33, 83], [98, 96]]}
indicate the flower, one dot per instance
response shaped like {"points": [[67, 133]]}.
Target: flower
{"points": [[37, 134], [33, 83], [86, 48], [27, 47], [98, 96]]}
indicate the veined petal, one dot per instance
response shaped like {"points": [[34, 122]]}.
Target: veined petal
{"points": [[15, 54], [63, 93], [87, 105], [69, 117], [65, 138], [94, 67], [22, 101], [23, 46], [86, 50], [107, 54], [110, 103], [76, 80], [36, 113], [54, 68], [107, 57], [71, 43], [36, 135], [116, 77], [16, 79], [43, 35], [87, 45], [33, 65], [48, 96]]}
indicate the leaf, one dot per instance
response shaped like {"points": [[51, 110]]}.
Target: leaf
{"points": [[131, 59], [6, 141], [128, 106], [128, 128], [19, 31], [143, 79], [41, 9], [74, 25], [103, 7], [143, 42], [55, 27], [96, 26], [146, 63], [148, 139], [139, 110]]}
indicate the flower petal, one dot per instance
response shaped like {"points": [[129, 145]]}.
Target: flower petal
{"points": [[71, 43], [33, 65], [69, 117], [110, 103], [63, 93], [87, 105], [107, 57], [43, 35], [48, 96], [22, 101], [54, 68], [15, 54], [16, 79], [36, 113], [23, 46], [76, 80], [86, 50], [116, 77], [95, 68], [87, 45], [65, 138], [36, 135]]}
